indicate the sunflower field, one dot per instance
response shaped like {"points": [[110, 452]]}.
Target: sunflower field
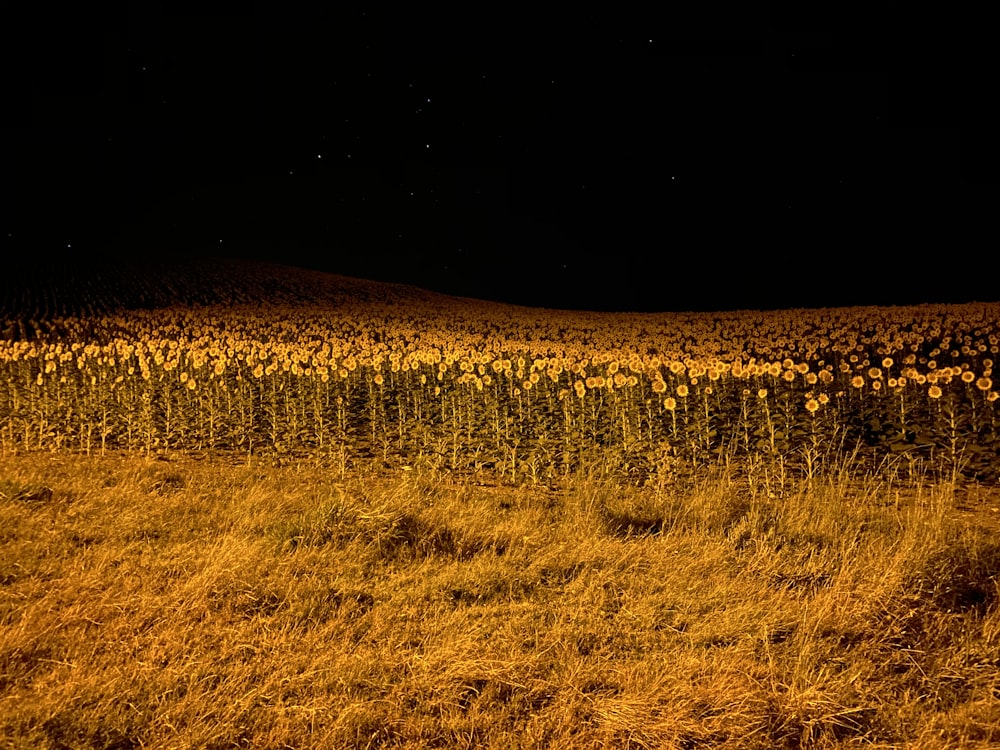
{"points": [[527, 393]]}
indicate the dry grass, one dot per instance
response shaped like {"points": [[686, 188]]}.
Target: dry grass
{"points": [[198, 604]]}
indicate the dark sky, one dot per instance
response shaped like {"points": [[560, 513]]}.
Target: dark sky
{"points": [[611, 160]]}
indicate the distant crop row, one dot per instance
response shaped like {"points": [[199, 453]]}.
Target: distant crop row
{"points": [[529, 393]]}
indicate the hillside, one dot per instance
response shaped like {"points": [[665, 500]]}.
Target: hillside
{"points": [[77, 287]]}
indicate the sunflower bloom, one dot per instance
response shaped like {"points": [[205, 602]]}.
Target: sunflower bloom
{"points": [[857, 381], [968, 376], [670, 403], [812, 405], [984, 384], [682, 391], [934, 391]]}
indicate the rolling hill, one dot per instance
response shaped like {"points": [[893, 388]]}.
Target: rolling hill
{"points": [[33, 297]]}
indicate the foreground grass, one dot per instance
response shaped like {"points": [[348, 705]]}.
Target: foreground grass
{"points": [[195, 604]]}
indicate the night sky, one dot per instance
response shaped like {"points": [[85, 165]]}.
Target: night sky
{"points": [[603, 161]]}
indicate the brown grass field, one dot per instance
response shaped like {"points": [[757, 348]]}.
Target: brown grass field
{"points": [[370, 545]]}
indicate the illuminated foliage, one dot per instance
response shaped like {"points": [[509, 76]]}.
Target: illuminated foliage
{"points": [[539, 394]]}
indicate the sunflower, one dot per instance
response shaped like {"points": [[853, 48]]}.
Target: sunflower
{"points": [[858, 382], [934, 391], [984, 384], [682, 391], [812, 405], [670, 403]]}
